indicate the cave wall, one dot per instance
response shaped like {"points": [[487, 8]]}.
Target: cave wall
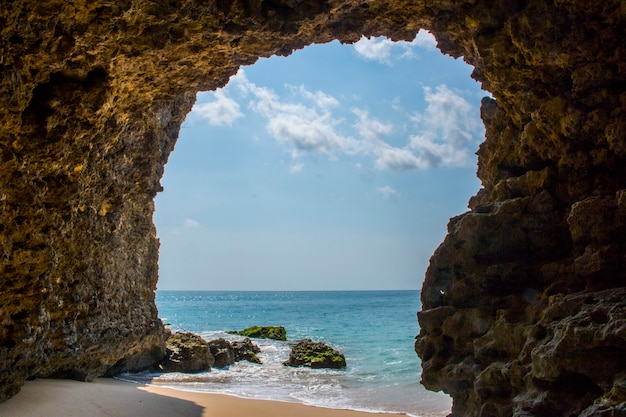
{"points": [[523, 303]]}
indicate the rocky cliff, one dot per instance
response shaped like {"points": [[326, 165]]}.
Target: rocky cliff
{"points": [[523, 303]]}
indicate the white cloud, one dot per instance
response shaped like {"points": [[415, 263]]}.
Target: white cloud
{"points": [[447, 129], [446, 137], [312, 132], [388, 192], [296, 168], [293, 123], [304, 122], [371, 129], [219, 112], [384, 50], [190, 224], [187, 225], [374, 132], [424, 39], [374, 49], [397, 159], [320, 99]]}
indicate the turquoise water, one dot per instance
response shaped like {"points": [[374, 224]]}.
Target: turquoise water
{"points": [[374, 329]]}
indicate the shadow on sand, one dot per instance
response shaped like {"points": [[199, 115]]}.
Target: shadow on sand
{"points": [[101, 398]]}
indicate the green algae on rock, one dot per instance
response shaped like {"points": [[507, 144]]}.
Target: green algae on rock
{"points": [[245, 350], [315, 355], [263, 332]]}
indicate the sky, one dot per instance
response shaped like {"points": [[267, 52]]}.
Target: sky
{"points": [[336, 168]]}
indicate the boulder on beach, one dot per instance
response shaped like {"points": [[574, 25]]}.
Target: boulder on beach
{"points": [[263, 332], [186, 352], [315, 355], [223, 353], [245, 350], [227, 353]]}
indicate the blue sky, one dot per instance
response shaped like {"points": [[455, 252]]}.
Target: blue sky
{"points": [[336, 168]]}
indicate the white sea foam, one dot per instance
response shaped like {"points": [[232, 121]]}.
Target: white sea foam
{"points": [[382, 373], [339, 389]]}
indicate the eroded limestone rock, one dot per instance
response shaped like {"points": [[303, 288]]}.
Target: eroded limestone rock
{"points": [[92, 99], [187, 352]]}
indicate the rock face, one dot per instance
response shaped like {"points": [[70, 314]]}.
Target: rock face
{"points": [[315, 355], [523, 302], [187, 352], [524, 305]]}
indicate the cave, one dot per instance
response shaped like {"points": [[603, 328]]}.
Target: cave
{"points": [[526, 295]]}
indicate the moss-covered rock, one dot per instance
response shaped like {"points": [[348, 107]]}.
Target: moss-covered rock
{"points": [[315, 355], [264, 332]]}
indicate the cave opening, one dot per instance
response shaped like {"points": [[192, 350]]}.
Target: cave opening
{"points": [[329, 150], [333, 169], [111, 85]]}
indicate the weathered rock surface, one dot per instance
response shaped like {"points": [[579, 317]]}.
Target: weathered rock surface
{"points": [[315, 355], [264, 332], [227, 353], [222, 351], [187, 352], [245, 350], [523, 303], [521, 297]]}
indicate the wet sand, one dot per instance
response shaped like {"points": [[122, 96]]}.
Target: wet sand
{"points": [[111, 398]]}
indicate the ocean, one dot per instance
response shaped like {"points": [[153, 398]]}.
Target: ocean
{"points": [[375, 330]]}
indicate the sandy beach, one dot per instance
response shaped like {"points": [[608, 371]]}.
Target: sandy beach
{"points": [[112, 398]]}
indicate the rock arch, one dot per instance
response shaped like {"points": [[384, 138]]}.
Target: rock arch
{"points": [[524, 300]]}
